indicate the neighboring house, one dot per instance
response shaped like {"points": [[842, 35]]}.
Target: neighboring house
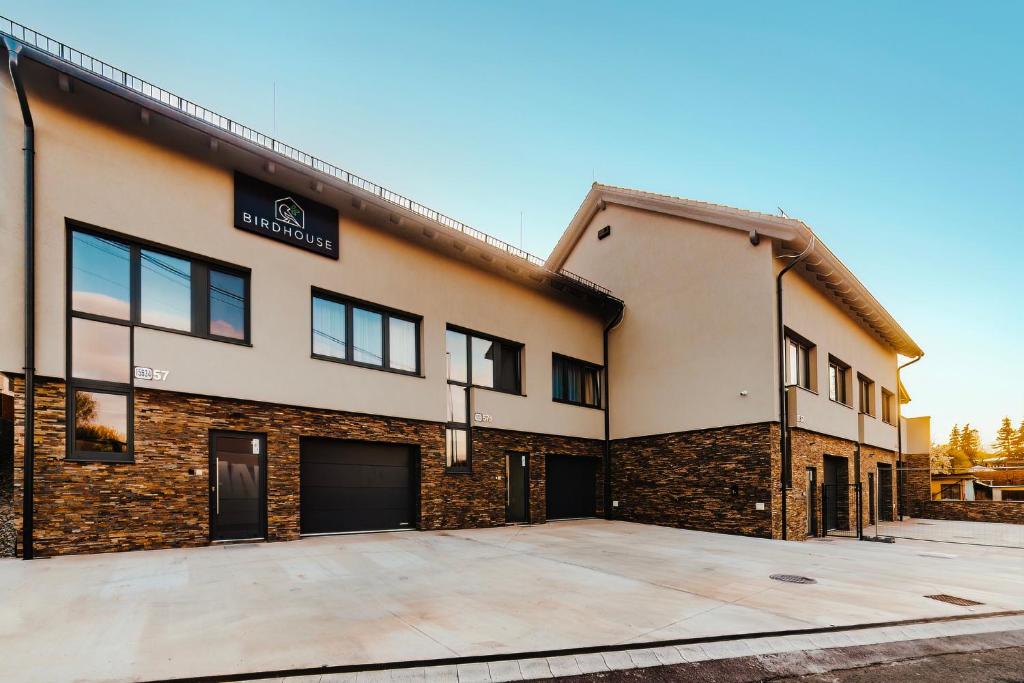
{"points": [[237, 341], [694, 365]]}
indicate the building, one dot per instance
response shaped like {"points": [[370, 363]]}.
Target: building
{"points": [[229, 339]]}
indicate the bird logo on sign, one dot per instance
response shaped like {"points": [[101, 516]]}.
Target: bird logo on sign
{"points": [[288, 211]]}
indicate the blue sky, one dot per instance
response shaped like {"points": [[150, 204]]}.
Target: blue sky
{"points": [[894, 129]]}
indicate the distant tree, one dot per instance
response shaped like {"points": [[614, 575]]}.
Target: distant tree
{"points": [[1006, 438], [940, 458], [970, 444], [1018, 442], [954, 439]]}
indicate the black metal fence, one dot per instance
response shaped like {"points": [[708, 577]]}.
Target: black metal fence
{"points": [[842, 510]]}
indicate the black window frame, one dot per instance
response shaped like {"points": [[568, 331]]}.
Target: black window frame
{"points": [[386, 313], [132, 321], [518, 346], [584, 365], [866, 385], [842, 382], [806, 372]]}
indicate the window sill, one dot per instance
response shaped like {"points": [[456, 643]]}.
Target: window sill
{"points": [[110, 459], [365, 366], [458, 470], [574, 403], [840, 403], [868, 415], [801, 388]]}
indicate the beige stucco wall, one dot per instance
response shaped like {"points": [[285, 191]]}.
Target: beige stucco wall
{"points": [[96, 174], [698, 325], [808, 312], [917, 434]]}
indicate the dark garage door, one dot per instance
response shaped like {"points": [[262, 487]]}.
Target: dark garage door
{"points": [[572, 486], [349, 486]]}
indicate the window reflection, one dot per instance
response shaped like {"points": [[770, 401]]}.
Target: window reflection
{"points": [[402, 344], [100, 351], [328, 328], [227, 305], [456, 404], [100, 280], [456, 448], [101, 422], [483, 362], [166, 291], [455, 348], [367, 337]]}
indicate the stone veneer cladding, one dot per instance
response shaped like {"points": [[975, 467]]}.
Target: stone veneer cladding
{"points": [[809, 450], [707, 480], [155, 502], [1003, 511]]}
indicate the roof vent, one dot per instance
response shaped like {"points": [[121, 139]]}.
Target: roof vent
{"points": [[604, 232]]}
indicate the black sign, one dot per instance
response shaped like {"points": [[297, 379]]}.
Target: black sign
{"points": [[279, 214]]}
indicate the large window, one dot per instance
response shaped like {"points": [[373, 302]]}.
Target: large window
{"points": [[350, 331], [116, 284], [575, 381], [866, 394], [799, 366], [483, 361], [456, 429], [838, 380], [887, 412]]}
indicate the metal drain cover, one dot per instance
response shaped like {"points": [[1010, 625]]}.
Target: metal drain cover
{"points": [[792, 578], [953, 600]]}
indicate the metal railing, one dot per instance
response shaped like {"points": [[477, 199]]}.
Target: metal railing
{"points": [[110, 73]]}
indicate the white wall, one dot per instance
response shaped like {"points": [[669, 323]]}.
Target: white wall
{"points": [[814, 316], [698, 323], [102, 176]]}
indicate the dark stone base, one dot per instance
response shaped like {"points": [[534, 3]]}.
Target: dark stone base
{"points": [[707, 480], [156, 503]]}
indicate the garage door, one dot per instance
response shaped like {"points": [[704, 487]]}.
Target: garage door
{"points": [[350, 486], [572, 486]]}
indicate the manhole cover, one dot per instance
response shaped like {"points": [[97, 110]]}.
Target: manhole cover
{"points": [[792, 578], [953, 600]]}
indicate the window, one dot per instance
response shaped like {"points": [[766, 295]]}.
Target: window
{"points": [[949, 491], [350, 331], [575, 381], [837, 380], [887, 397], [457, 402], [866, 391], [798, 362], [483, 361], [116, 285]]}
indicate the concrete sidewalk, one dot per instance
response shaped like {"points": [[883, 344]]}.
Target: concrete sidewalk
{"points": [[367, 599]]}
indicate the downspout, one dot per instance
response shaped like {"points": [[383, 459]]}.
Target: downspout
{"points": [[616, 319], [13, 50], [899, 435], [784, 441]]}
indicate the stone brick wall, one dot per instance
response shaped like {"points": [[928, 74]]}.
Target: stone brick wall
{"points": [[708, 480], [1004, 512], [809, 450], [917, 487], [156, 503], [489, 449]]}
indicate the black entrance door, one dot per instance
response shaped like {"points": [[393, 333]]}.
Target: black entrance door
{"points": [[835, 498], [237, 486], [355, 486], [884, 492], [571, 486], [517, 493]]}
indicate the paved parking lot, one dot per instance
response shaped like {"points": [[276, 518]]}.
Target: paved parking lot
{"points": [[431, 595]]}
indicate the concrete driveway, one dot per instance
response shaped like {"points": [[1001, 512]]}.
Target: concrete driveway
{"points": [[427, 595]]}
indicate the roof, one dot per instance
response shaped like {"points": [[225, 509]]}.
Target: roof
{"points": [[419, 222], [821, 267]]}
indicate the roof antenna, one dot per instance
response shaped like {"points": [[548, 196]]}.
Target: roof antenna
{"points": [[781, 212]]}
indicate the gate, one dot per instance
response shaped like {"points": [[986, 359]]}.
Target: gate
{"points": [[841, 510]]}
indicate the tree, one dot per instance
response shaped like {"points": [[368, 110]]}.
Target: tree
{"points": [[970, 443], [954, 439], [1006, 438], [940, 459], [1018, 442]]}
